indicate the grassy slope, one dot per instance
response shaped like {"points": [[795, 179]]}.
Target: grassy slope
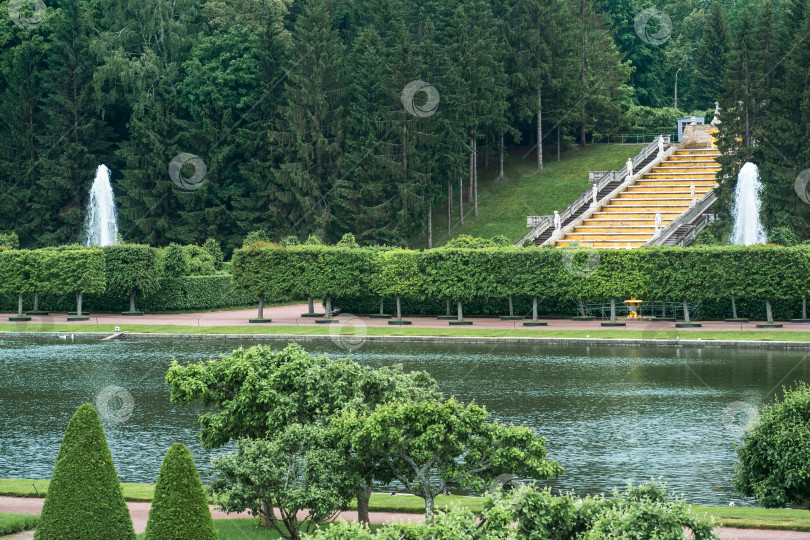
{"points": [[705, 335], [503, 206], [750, 518]]}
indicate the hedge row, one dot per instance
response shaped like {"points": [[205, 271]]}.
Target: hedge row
{"points": [[112, 278], [559, 275]]}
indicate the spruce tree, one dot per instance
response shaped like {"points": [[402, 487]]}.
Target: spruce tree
{"points": [[84, 498], [180, 506], [713, 57]]}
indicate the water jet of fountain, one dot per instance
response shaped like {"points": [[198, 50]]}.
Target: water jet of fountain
{"points": [[748, 228], [100, 223]]}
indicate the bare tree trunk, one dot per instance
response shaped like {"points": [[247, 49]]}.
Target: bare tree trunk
{"points": [[363, 495], [36, 301], [448, 307], [79, 296], [581, 307], [539, 130], [382, 308], [664, 308], [471, 172], [399, 309], [511, 307], [733, 307], [768, 310], [460, 200], [428, 506], [460, 313], [328, 306], [534, 309], [582, 71], [430, 228], [804, 308], [559, 142], [686, 318], [261, 306], [311, 305], [132, 301], [500, 158], [475, 178], [449, 206], [612, 310], [20, 305]]}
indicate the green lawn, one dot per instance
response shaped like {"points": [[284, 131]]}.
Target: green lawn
{"points": [[14, 523], [503, 206], [732, 516], [705, 335]]}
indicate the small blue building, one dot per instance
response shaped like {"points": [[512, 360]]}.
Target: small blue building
{"points": [[685, 121]]}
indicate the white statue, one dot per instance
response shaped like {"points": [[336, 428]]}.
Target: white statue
{"points": [[660, 146], [594, 193], [692, 194], [629, 169], [557, 221], [659, 223], [716, 119]]}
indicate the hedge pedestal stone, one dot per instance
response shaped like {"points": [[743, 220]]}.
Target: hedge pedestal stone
{"points": [[379, 316], [78, 318], [132, 313], [259, 321], [534, 323], [613, 324], [769, 325], [399, 323], [460, 323], [19, 319], [326, 321], [687, 325]]}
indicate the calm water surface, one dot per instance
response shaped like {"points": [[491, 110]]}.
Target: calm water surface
{"points": [[609, 415]]}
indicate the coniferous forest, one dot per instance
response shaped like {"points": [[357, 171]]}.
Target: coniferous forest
{"points": [[301, 117]]}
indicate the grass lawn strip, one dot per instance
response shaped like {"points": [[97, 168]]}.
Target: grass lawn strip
{"points": [[14, 523], [730, 516], [249, 331]]}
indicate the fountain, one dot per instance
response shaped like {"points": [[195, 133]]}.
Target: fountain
{"points": [[100, 223], [747, 229]]}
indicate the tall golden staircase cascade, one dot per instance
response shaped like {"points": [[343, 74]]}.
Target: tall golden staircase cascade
{"points": [[679, 187]]}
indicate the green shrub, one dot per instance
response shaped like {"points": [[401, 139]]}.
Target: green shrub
{"points": [[784, 236], [348, 241], [773, 462], [313, 240], [213, 247], [176, 261], [14, 523], [255, 236], [200, 262], [180, 506], [84, 497], [9, 240]]}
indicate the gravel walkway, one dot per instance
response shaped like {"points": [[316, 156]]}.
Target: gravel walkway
{"points": [[291, 316]]}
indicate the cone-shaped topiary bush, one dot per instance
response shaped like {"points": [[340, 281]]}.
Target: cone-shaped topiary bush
{"points": [[84, 498], [180, 507]]}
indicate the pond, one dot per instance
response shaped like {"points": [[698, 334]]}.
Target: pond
{"points": [[609, 414]]}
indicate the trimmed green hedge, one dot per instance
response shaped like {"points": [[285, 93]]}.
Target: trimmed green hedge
{"points": [[177, 294], [84, 498], [484, 278], [180, 507]]}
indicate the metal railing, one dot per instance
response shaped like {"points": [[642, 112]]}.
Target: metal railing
{"points": [[631, 138], [689, 237], [684, 219], [544, 222]]}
